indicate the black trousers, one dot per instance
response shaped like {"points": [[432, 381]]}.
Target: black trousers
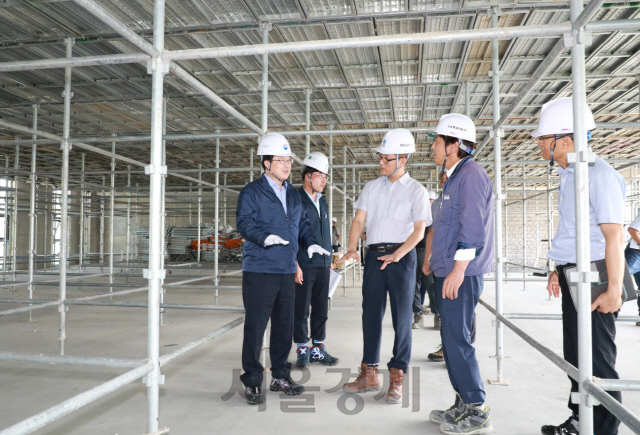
{"points": [[267, 296], [421, 283], [398, 281], [314, 294], [603, 335]]}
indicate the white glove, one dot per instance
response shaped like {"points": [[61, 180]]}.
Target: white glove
{"points": [[316, 249], [274, 240]]}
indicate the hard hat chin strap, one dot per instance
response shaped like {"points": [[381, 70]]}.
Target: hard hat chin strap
{"points": [[553, 148], [274, 175], [446, 156], [398, 167]]}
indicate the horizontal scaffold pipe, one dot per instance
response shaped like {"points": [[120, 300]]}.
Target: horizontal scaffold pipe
{"points": [[324, 132], [109, 59], [378, 41], [55, 412], [71, 360], [548, 30], [371, 41]]}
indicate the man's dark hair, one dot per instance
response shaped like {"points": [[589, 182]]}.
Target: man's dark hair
{"points": [[450, 140], [264, 159], [307, 170]]}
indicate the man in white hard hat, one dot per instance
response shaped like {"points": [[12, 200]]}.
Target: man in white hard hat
{"points": [[438, 354], [335, 235], [312, 278], [607, 191], [462, 254], [271, 219], [422, 280], [396, 211]]}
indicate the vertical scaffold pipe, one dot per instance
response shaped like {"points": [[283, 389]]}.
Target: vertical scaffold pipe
{"points": [[32, 209], [583, 248], [81, 244], [64, 198], [156, 170], [497, 171], [112, 214]]}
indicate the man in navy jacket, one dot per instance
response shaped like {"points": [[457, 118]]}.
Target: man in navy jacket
{"points": [[462, 252], [271, 219], [313, 276]]}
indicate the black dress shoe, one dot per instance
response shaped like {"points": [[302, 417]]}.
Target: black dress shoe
{"points": [[287, 386], [254, 394], [566, 428]]}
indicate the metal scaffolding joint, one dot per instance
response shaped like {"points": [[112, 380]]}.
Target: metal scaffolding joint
{"points": [[589, 400], [587, 277], [155, 169], [157, 64], [154, 274], [149, 382], [585, 38], [582, 156]]}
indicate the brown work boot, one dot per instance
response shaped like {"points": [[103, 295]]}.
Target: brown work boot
{"points": [[367, 380], [394, 395]]}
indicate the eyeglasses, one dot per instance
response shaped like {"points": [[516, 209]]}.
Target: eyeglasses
{"points": [[543, 138], [385, 159], [284, 162], [320, 176]]}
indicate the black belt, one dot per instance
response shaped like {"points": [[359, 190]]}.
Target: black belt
{"points": [[384, 247], [420, 249]]}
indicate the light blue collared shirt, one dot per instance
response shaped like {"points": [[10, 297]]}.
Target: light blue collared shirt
{"points": [[281, 193], [316, 202], [607, 192]]}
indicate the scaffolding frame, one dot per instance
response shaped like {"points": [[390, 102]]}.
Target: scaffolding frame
{"points": [[162, 62]]}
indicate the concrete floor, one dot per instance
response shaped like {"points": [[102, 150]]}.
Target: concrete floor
{"points": [[192, 399]]}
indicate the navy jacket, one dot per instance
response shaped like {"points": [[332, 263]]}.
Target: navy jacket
{"points": [[260, 214], [321, 232], [465, 221]]}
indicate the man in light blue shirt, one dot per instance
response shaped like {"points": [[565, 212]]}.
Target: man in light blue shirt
{"points": [[607, 190]]}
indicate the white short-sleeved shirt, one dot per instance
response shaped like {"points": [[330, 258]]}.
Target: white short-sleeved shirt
{"points": [[636, 226], [392, 208]]}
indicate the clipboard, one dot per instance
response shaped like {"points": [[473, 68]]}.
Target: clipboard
{"points": [[334, 280], [600, 267]]}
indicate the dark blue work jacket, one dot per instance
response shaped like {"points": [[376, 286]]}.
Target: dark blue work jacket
{"points": [[321, 232], [260, 214]]}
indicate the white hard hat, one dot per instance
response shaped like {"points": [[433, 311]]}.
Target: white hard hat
{"points": [[334, 219], [556, 117], [274, 144], [432, 195], [457, 125], [317, 161], [398, 141]]}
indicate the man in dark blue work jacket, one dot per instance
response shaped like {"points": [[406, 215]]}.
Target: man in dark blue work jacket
{"points": [[312, 278], [462, 253], [271, 219]]}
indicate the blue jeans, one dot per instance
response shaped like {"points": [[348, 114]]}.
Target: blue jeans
{"points": [[633, 261]]}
